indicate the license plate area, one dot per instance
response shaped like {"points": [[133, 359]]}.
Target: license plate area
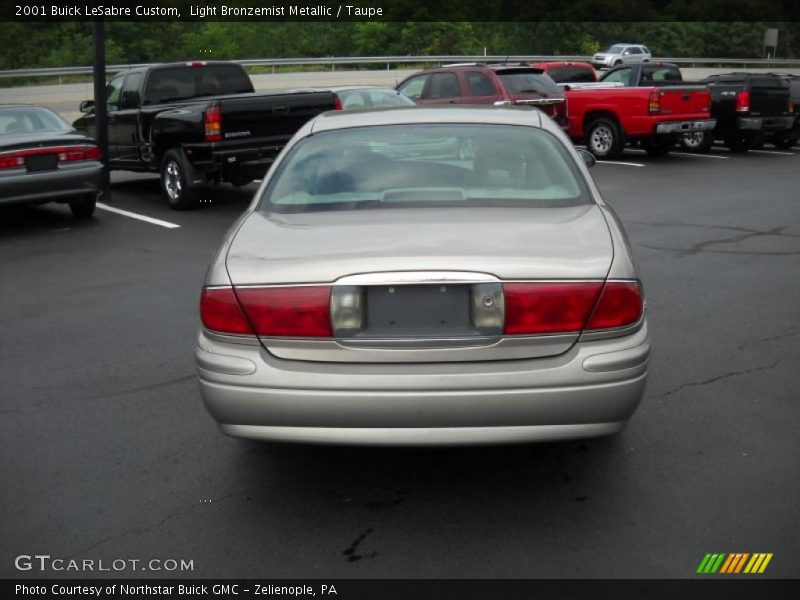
{"points": [[418, 311], [430, 311], [41, 162]]}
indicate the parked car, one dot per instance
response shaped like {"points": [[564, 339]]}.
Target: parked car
{"points": [[43, 159], [619, 54], [475, 83], [745, 106], [568, 72], [198, 123], [607, 119], [377, 293], [363, 97], [788, 138]]}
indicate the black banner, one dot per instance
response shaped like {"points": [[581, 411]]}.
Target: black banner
{"points": [[401, 10]]}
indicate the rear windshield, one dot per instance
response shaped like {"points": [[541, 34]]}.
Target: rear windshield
{"points": [[174, 84], [524, 82], [572, 74], [372, 98], [424, 165], [661, 73], [30, 119]]}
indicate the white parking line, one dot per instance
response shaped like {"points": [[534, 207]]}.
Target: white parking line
{"points": [[144, 218], [773, 152], [699, 155], [618, 162]]}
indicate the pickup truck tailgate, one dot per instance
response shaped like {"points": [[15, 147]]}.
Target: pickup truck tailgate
{"points": [[769, 97], [273, 117], [685, 100]]}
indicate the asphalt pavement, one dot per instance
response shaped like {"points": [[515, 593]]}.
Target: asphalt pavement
{"points": [[106, 451]]}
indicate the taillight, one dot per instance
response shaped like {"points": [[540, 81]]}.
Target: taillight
{"points": [[296, 311], [220, 311], [337, 103], [654, 102], [290, 311], [569, 307], [213, 124], [743, 101], [620, 304], [533, 308], [15, 159], [196, 63], [791, 106]]}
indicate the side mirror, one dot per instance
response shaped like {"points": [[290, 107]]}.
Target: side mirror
{"points": [[87, 106], [588, 158]]}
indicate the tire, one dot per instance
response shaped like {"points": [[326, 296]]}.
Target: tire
{"points": [[83, 207], [739, 144], [604, 138], [783, 142], [175, 184], [698, 141], [617, 63], [657, 147]]}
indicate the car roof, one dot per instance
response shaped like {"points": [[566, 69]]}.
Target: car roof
{"points": [[563, 63], [407, 115]]}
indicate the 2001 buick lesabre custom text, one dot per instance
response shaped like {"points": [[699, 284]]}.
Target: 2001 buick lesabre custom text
{"points": [[437, 275]]}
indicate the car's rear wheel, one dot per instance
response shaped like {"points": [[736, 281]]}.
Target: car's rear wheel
{"points": [[739, 143], [83, 207], [617, 63], [604, 138], [657, 147], [697, 141], [175, 183], [783, 142]]}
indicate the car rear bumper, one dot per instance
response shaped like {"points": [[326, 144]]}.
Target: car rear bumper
{"points": [[765, 123], [64, 183], [591, 390], [679, 127]]}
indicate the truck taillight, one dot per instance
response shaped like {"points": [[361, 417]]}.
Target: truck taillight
{"points": [[743, 101], [569, 307], [213, 124], [654, 102], [284, 311], [15, 159], [337, 103], [196, 63]]}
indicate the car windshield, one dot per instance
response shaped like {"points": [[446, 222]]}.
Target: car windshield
{"points": [[30, 119], [372, 98], [530, 82], [425, 165], [615, 49]]}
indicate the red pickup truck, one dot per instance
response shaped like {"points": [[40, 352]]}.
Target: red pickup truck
{"points": [[607, 118]]}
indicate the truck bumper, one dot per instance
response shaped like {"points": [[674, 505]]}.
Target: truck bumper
{"points": [[678, 127], [765, 123]]}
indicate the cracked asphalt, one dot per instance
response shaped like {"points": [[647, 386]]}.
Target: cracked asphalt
{"points": [[106, 451]]}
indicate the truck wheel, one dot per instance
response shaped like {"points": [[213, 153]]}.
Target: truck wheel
{"points": [[604, 139], [657, 147], [174, 183], [83, 207], [739, 143], [783, 142], [697, 141]]}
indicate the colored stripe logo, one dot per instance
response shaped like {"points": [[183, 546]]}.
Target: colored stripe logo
{"points": [[734, 563]]}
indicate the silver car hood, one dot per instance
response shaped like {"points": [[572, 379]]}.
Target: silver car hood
{"points": [[510, 243]]}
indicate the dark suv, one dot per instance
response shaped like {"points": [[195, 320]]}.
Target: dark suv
{"points": [[476, 83]]}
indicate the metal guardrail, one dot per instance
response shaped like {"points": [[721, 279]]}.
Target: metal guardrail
{"points": [[333, 61]]}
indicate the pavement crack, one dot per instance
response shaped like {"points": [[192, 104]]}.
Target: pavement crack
{"points": [[683, 386], [141, 530], [792, 331], [149, 387], [705, 245]]}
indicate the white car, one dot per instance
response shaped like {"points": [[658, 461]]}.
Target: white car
{"points": [[621, 53]]}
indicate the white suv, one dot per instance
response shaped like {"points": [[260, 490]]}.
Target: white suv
{"points": [[621, 53]]}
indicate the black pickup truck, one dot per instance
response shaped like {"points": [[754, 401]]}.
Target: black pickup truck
{"points": [[198, 123], [746, 106]]}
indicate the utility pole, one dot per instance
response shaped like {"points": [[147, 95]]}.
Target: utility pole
{"points": [[100, 106]]}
